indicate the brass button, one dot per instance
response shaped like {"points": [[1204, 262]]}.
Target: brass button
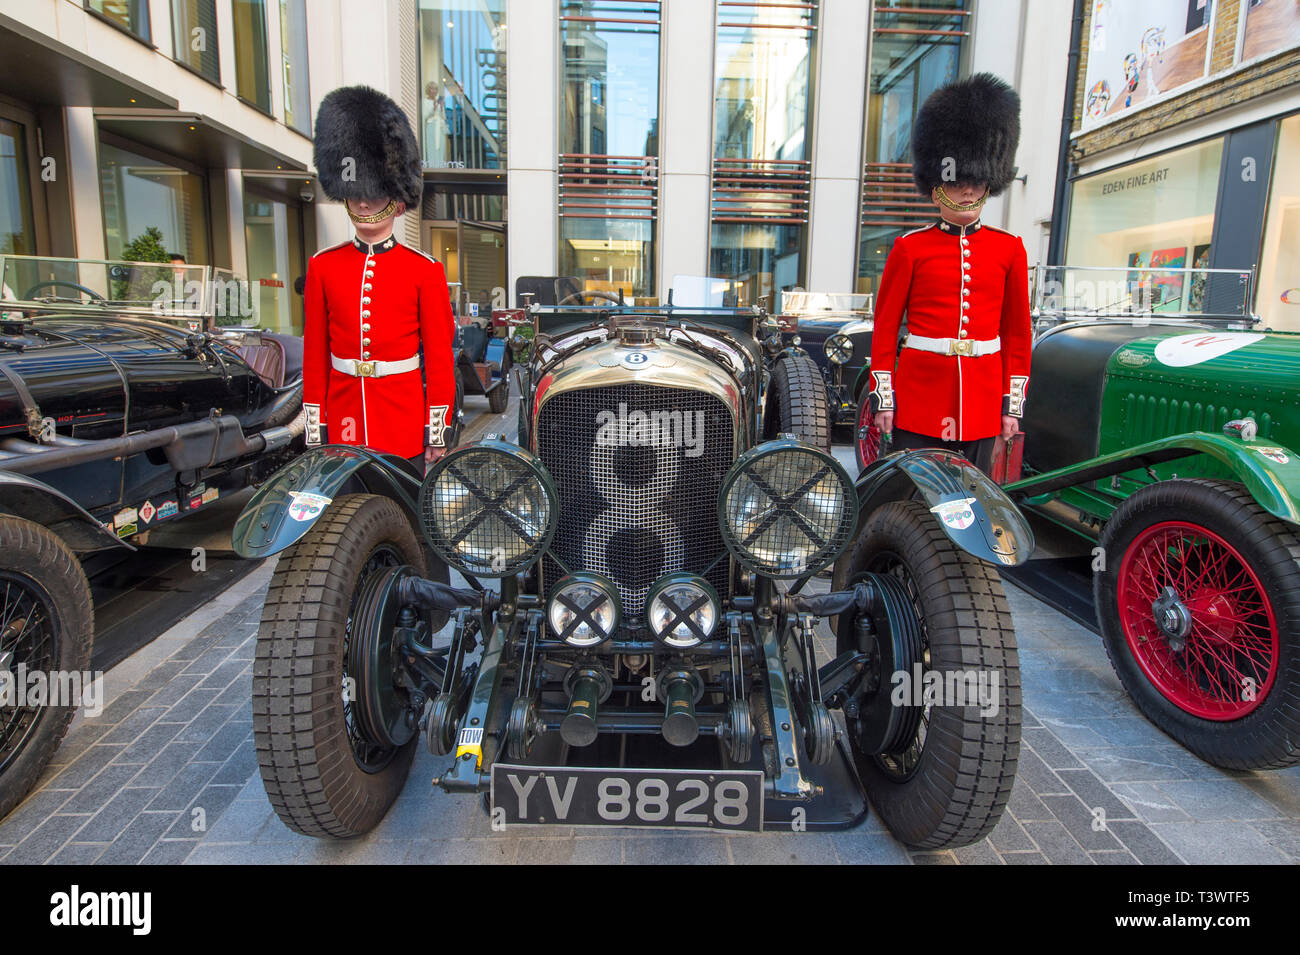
{"points": [[370, 273], [365, 300], [365, 327], [365, 343], [365, 313], [962, 333], [366, 287], [965, 319], [365, 354]]}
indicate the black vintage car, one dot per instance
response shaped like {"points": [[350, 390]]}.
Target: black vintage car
{"points": [[123, 406], [835, 330], [634, 642]]}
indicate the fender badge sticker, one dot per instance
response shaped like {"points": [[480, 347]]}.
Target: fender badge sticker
{"points": [[956, 514], [166, 509], [1275, 454], [147, 512], [127, 515], [307, 506], [1184, 350]]}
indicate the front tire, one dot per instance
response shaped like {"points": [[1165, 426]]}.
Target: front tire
{"points": [[1199, 605], [796, 402], [47, 624], [323, 776], [949, 785]]}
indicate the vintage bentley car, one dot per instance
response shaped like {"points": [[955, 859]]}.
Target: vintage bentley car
{"points": [[633, 642], [1173, 443], [122, 407]]}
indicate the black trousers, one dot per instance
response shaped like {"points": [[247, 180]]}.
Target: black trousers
{"points": [[979, 453]]}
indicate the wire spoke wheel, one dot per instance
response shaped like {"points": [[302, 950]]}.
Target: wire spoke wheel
{"points": [[1211, 644], [28, 644], [866, 439], [1199, 606], [47, 625]]}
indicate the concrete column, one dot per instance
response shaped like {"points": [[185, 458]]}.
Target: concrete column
{"points": [[235, 216], [83, 170], [839, 112], [532, 111], [685, 139]]}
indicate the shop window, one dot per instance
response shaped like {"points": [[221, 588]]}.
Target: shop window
{"points": [[17, 230], [141, 193], [273, 238], [1149, 216]]}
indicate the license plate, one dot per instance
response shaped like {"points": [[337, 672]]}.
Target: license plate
{"points": [[645, 798]]}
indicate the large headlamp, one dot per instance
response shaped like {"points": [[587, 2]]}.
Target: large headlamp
{"points": [[682, 610], [489, 509], [787, 509], [839, 349], [584, 609]]}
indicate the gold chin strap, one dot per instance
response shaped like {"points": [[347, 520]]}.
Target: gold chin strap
{"points": [[960, 206], [379, 216]]}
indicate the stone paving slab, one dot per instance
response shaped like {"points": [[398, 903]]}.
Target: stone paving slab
{"points": [[167, 774]]}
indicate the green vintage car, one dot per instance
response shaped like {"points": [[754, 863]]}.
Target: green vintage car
{"points": [[1174, 446]]}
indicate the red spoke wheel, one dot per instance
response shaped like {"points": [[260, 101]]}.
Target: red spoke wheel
{"points": [[1199, 604], [866, 437]]}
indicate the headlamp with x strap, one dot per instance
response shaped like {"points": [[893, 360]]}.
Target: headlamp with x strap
{"points": [[489, 509], [787, 510], [682, 610], [584, 609]]}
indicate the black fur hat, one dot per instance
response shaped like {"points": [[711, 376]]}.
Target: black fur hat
{"points": [[976, 124], [363, 125]]}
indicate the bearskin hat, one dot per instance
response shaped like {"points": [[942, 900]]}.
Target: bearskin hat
{"points": [[365, 148], [967, 132]]}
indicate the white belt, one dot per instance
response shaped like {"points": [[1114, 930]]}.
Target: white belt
{"points": [[374, 369], [968, 347]]}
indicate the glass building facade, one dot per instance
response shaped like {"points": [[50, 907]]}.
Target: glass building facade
{"points": [[914, 51], [609, 144], [761, 165], [462, 83]]}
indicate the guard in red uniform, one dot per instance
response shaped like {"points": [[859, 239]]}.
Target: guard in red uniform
{"points": [[960, 378], [377, 363]]}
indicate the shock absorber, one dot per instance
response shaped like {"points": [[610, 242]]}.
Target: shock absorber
{"points": [[589, 686], [680, 689]]}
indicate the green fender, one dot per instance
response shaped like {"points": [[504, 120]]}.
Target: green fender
{"points": [[288, 504], [968, 506], [1269, 471]]}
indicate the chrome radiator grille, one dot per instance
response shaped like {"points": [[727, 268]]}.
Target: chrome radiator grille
{"points": [[632, 509]]}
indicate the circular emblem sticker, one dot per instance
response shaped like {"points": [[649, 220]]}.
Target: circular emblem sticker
{"points": [[956, 514], [1184, 350]]}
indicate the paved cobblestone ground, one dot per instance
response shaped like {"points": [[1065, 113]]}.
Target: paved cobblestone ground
{"points": [[167, 774]]}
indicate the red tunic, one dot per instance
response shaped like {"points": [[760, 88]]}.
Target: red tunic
{"points": [[930, 272], [384, 303]]}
